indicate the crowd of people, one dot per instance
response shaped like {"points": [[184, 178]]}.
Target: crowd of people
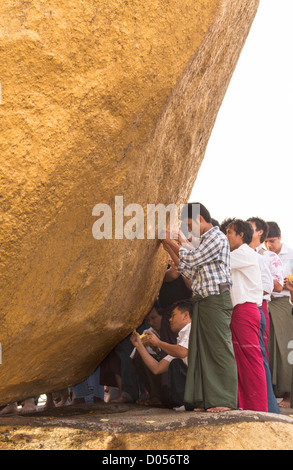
{"points": [[226, 323], [242, 320], [217, 337]]}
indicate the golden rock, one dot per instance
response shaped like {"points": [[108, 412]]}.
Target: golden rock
{"points": [[99, 99]]}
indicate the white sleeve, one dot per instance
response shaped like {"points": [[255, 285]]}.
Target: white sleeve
{"points": [[266, 275]]}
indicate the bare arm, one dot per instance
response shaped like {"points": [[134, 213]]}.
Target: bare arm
{"points": [[174, 350], [277, 287], [289, 286], [172, 249], [154, 366], [187, 282]]}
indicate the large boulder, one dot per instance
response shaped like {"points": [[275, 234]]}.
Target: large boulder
{"points": [[99, 99]]}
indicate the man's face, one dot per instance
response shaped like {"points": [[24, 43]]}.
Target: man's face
{"points": [[235, 240], [256, 233], [273, 244], [177, 320], [194, 227], [154, 320]]}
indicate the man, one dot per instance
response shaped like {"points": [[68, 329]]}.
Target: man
{"points": [[288, 284], [180, 322], [154, 320], [247, 294], [281, 326], [211, 382], [260, 231], [272, 279]]}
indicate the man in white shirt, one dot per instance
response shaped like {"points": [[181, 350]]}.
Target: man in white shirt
{"points": [[281, 331], [273, 243], [177, 354], [247, 294], [272, 279], [260, 231], [246, 275]]}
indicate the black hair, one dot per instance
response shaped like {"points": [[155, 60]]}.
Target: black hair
{"points": [[241, 226], [192, 213], [225, 224], [215, 223], [156, 307], [260, 225], [274, 230], [185, 305]]}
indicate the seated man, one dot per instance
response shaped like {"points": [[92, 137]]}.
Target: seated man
{"points": [[175, 362], [154, 320]]}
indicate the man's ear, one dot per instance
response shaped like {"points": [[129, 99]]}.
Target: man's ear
{"points": [[185, 314]]}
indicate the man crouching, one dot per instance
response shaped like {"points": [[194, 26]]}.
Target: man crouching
{"points": [[175, 363]]}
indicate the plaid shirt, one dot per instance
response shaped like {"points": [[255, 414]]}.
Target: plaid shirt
{"points": [[209, 265]]}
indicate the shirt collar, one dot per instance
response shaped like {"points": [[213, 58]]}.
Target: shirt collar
{"points": [[258, 248], [184, 328], [209, 231], [284, 249]]}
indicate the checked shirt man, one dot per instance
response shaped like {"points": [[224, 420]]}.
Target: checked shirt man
{"points": [[208, 266], [211, 382]]}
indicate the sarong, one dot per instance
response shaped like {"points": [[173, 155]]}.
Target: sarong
{"points": [[281, 333], [252, 385], [272, 401], [212, 374], [266, 335]]}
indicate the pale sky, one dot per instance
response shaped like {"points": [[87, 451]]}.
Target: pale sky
{"points": [[247, 169]]}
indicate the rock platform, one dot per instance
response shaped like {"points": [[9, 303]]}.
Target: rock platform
{"points": [[123, 427]]}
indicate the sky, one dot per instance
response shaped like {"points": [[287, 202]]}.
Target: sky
{"points": [[247, 169]]}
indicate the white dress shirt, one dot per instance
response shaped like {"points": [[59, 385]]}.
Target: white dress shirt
{"points": [[276, 267], [246, 276], [286, 256], [266, 276], [182, 340]]}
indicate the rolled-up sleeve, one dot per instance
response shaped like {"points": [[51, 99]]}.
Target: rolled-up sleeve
{"points": [[201, 255], [183, 267]]}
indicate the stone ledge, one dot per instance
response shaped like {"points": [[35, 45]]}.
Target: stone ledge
{"points": [[133, 427]]}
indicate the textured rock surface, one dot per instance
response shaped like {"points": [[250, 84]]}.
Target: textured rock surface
{"points": [[99, 98], [131, 427]]}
